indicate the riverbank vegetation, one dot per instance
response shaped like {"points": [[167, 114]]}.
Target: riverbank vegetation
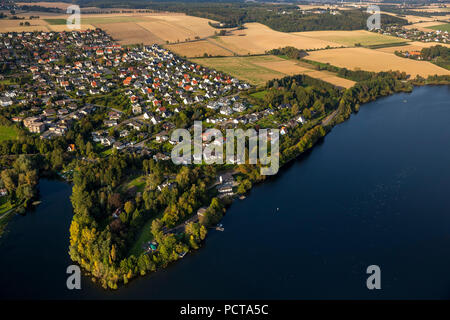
{"points": [[18, 187], [106, 231], [134, 215]]}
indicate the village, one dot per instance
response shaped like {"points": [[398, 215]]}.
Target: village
{"points": [[438, 36], [140, 92]]}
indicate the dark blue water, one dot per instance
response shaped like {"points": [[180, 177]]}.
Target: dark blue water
{"points": [[376, 191]]}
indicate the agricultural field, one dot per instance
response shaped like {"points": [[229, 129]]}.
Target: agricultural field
{"points": [[195, 49], [411, 46], [350, 38], [245, 68], [373, 60], [58, 5], [86, 19], [176, 27], [259, 69], [423, 26], [432, 9], [257, 38], [413, 19], [442, 27], [126, 28], [130, 33]]}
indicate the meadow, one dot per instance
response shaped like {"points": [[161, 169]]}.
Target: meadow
{"points": [[259, 69], [8, 133], [442, 27]]}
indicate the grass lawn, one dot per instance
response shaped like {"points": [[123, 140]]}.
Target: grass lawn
{"points": [[442, 27], [259, 94], [8, 133], [4, 206], [106, 152], [56, 22], [144, 236], [139, 183]]}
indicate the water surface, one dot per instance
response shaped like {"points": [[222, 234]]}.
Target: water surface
{"points": [[375, 191]]}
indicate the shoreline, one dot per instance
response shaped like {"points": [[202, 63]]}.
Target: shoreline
{"points": [[283, 166]]}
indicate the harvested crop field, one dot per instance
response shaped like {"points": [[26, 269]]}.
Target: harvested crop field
{"points": [[257, 39], [432, 9], [175, 28], [126, 28], [259, 69], [373, 60], [350, 38], [19, 28], [197, 49], [60, 28], [129, 33], [85, 19], [411, 46], [409, 18], [58, 5], [14, 25]]}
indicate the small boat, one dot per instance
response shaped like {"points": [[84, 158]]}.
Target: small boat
{"points": [[220, 227], [241, 197], [278, 209]]}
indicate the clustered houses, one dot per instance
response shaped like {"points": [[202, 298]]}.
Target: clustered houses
{"points": [[149, 84], [52, 67], [143, 87], [415, 34], [159, 84]]}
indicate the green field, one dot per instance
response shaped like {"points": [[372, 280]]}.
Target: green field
{"points": [[56, 22], [138, 182], [144, 236], [5, 213], [243, 68], [442, 27], [259, 94], [8, 133]]}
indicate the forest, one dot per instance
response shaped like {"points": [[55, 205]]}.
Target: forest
{"points": [[439, 55]]}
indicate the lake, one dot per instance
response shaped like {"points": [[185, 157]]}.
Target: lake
{"points": [[374, 192]]}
